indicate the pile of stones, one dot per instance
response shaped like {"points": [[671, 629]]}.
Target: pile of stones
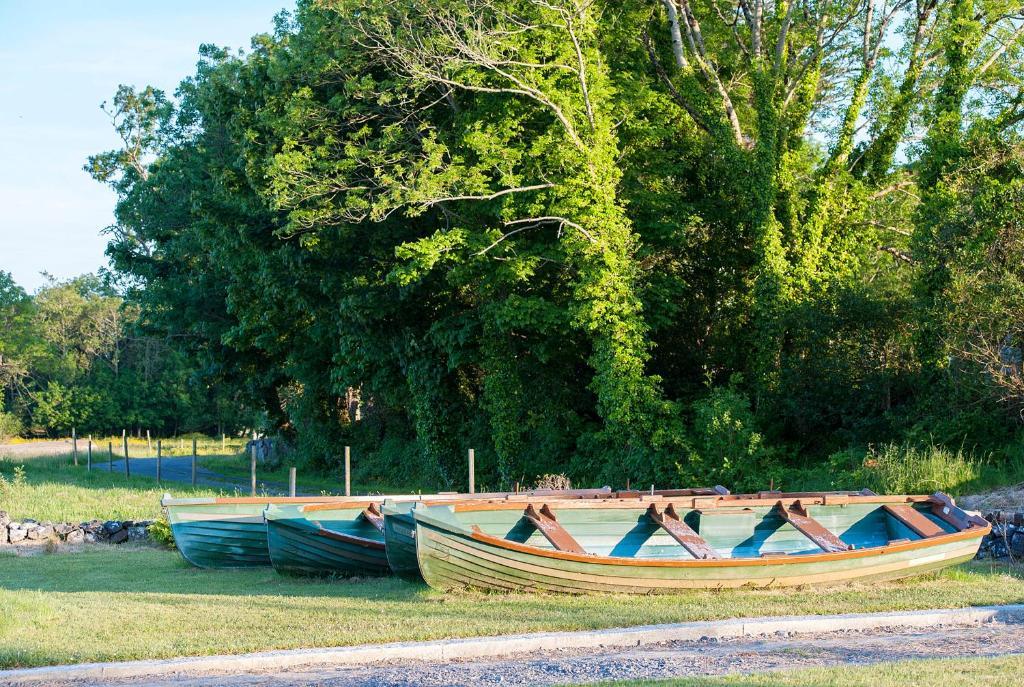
{"points": [[1007, 537], [30, 532]]}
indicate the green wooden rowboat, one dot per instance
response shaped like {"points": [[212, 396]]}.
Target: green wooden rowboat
{"points": [[327, 539], [226, 532], [663, 544]]}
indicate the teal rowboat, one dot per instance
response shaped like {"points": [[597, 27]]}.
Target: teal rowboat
{"points": [[327, 539], [400, 538], [655, 544], [226, 532]]}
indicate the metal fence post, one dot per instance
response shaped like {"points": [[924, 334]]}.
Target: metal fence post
{"points": [[291, 481], [110, 456], [88, 466], [193, 462], [127, 469], [159, 455], [74, 445], [472, 471]]}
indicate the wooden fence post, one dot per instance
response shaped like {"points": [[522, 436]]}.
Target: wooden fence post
{"points": [[159, 455], [74, 445], [223, 443], [193, 462], [88, 466], [348, 471], [291, 481], [472, 471], [127, 470], [252, 470], [110, 456]]}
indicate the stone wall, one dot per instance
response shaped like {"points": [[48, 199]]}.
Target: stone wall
{"points": [[1007, 537], [32, 533]]}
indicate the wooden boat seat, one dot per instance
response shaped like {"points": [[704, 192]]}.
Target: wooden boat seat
{"points": [[372, 515], [947, 510], [914, 519], [797, 516], [670, 521], [546, 523]]}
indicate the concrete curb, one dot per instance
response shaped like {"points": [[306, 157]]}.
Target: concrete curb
{"points": [[492, 647]]}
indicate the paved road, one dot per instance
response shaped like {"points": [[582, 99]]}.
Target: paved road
{"points": [[680, 659], [172, 469]]}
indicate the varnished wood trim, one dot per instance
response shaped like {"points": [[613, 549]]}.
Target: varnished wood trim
{"points": [[697, 502], [351, 539], [348, 505]]}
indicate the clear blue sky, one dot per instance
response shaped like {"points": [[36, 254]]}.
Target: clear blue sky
{"points": [[58, 61]]}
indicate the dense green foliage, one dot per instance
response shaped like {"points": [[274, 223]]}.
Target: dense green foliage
{"points": [[676, 241], [75, 355]]}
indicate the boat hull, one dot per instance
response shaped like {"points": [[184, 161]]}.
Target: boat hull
{"points": [[400, 540], [226, 532], [223, 537], [334, 542], [452, 557]]}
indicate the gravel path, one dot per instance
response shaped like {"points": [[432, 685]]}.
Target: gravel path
{"points": [[653, 661]]}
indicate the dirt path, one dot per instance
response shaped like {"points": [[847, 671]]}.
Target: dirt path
{"points": [[655, 661], [36, 448]]}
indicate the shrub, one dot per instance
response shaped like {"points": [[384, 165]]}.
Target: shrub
{"points": [[8, 485], [160, 532], [727, 448], [10, 426]]}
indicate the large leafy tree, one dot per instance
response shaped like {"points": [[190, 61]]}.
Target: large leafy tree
{"points": [[544, 228]]}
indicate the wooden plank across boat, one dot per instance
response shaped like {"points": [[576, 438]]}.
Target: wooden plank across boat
{"points": [[651, 544]]}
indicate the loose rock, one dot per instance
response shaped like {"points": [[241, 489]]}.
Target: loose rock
{"points": [[75, 537], [118, 537]]}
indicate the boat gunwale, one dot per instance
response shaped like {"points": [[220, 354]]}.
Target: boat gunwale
{"points": [[695, 502], [256, 500]]}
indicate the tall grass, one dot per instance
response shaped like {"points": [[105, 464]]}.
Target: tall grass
{"points": [[906, 469], [912, 469]]}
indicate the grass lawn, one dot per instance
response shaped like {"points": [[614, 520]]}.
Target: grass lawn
{"points": [[54, 489], [110, 603], [1003, 671]]}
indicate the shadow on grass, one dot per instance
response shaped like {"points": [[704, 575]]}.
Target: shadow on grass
{"points": [[140, 569]]}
